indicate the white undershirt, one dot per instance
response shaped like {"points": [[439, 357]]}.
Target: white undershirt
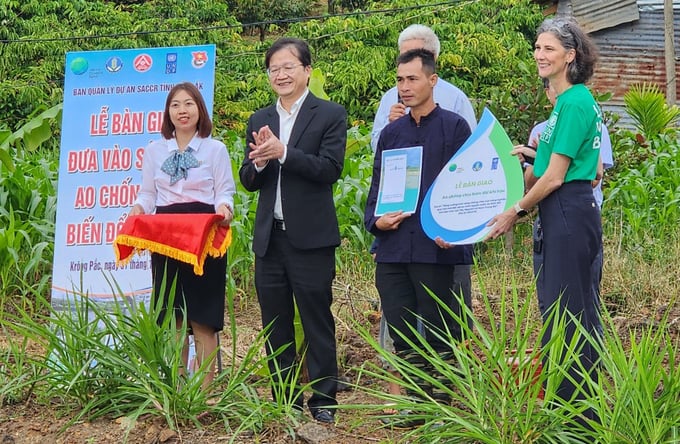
{"points": [[286, 122]]}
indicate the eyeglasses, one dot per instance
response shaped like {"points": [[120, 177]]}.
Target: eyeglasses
{"points": [[274, 71]]}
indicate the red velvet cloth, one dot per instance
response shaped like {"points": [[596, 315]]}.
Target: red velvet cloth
{"points": [[186, 237]]}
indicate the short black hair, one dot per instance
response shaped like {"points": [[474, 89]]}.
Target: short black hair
{"points": [[298, 47], [425, 56]]}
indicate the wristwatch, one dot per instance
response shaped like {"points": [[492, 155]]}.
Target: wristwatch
{"points": [[519, 210]]}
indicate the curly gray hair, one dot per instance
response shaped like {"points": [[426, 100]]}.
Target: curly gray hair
{"points": [[571, 36]]}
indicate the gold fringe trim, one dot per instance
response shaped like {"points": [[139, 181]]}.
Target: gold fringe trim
{"points": [[139, 245], [222, 248]]}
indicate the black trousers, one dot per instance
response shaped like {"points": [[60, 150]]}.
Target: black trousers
{"points": [[462, 286], [282, 274], [203, 297], [403, 298], [568, 279]]}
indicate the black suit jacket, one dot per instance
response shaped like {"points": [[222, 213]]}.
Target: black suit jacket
{"points": [[316, 154]]}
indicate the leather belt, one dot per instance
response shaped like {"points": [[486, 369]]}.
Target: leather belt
{"points": [[279, 225]]}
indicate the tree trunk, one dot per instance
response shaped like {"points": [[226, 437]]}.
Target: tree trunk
{"points": [[671, 77]]}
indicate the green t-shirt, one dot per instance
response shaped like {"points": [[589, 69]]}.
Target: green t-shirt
{"points": [[574, 129]]}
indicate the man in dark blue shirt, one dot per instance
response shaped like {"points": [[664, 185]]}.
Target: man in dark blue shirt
{"points": [[407, 260]]}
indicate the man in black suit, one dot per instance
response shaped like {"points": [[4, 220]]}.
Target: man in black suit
{"points": [[295, 153]]}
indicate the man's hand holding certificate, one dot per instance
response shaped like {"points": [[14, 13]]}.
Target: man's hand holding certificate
{"points": [[391, 221]]}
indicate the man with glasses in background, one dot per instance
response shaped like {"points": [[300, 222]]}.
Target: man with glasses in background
{"points": [[295, 153]]}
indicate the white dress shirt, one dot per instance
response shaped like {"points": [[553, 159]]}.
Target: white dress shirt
{"points": [[286, 122], [212, 182]]}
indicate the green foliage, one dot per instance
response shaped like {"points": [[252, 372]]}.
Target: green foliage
{"points": [[27, 216], [646, 104], [18, 372], [351, 191], [648, 197], [347, 5], [30, 136], [240, 255], [31, 72], [494, 380], [644, 189], [316, 83], [517, 107], [483, 44], [486, 51]]}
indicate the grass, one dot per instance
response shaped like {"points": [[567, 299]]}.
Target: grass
{"points": [[637, 397], [122, 363], [640, 280], [77, 370], [496, 399]]}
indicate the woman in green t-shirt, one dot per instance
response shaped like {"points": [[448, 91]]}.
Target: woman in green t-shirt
{"points": [[567, 160]]}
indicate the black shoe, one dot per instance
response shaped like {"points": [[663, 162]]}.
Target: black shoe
{"points": [[324, 415]]}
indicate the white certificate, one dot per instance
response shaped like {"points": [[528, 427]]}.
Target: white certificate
{"points": [[399, 188], [480, 181], [394, 183]]}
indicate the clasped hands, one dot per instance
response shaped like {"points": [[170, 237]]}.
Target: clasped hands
{"points": [[266, 147], [391, 221]]}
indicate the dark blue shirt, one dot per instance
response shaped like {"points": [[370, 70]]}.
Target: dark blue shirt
{"points": [[441, 133]]}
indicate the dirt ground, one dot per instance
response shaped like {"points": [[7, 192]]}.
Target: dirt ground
{"points": [[35, 424], [30, 423]]}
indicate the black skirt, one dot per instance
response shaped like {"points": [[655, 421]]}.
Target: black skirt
{"points": [[202, 297]]}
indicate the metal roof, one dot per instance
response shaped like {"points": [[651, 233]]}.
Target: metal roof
{"points": [[594, 15], [651, 5], [633, 53], [631, 49]]}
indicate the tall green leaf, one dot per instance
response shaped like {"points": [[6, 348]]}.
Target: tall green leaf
{"points": [[30, 135], [646, 104]]}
